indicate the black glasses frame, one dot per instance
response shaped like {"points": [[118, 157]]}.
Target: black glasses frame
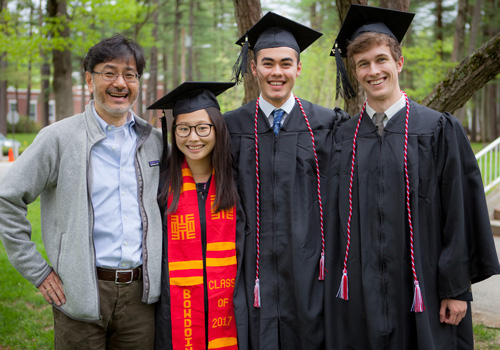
{"points": [[195, 129]]}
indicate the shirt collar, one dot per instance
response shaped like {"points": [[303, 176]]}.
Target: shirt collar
{"points": [[128, 124], [391, 111], [268, 108]]}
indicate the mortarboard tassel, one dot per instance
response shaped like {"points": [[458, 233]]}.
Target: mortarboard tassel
{"points": [[418, 302], [163, 165], [343, 292], [164, 124], [346, 90], [322, 267], [241, 65], [256, 294]]}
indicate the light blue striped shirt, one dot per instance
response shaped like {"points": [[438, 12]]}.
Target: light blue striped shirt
{"points": [[117, 219]]}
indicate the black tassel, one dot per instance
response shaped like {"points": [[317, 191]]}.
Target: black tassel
{"points": [[166, 146], [241, 65], [346, 90]]}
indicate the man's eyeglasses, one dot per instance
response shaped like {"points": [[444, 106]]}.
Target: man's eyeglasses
{"points": [[202, 130], [110, 76]]}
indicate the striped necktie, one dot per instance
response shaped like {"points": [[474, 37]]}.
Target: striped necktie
{"points": [[277, 116]]}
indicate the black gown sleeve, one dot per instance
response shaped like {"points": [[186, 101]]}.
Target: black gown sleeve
{"points": [[468, 253]]}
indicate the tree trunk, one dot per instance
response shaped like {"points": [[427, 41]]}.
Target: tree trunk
{"points": [[175, 51], [3, 83], [483, 114], [400, 5], [44, 78], [467, 78], [3, 97], [83, 84], [45, 93], [475, 119], [28, 88], [459, 40], [165, 70], [439, 26], [491, 28], [190, 41], [247, 13], [313, 15], [492, 110], [183, 55], [61, 61], [152, 90], [474, 27]]}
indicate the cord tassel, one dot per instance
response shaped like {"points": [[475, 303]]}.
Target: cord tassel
{"points": [[418, 302], [322, 267], [343, 292], [256, 294]]}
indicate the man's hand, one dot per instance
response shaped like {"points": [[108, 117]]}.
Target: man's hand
{"points": [[52, 289], [452, 311]]}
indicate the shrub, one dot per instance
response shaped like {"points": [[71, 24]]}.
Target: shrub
{"points": [[25, 125]]}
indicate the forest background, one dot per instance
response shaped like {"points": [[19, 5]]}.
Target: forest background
{"points": [[451, 50]]}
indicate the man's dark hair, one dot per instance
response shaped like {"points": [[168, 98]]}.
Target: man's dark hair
{"points": [[116, 47]]}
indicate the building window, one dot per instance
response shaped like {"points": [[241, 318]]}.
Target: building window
{"points": [[52, 111], [12, 114], [32, 112]]}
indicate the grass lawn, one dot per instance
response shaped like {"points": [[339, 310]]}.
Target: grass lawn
{"points": [[486, 338], [24, 139], [477, 146], [25, 316]]}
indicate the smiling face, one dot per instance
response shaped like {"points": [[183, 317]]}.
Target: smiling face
{"points": [[378, 73], [113, 99], [196, 149], [276, 70]]}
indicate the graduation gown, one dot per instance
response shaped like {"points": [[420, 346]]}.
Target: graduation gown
{"points": [[453, 242], [291, 313], [163, 324]]}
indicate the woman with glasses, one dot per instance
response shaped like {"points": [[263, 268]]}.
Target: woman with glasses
{"points": [[198, 198]]}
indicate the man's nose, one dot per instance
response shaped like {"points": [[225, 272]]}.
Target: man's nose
{"points": [[120, 81], [277, 70]]}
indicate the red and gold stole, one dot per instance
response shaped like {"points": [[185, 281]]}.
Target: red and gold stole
{"points": [[185, 262]]}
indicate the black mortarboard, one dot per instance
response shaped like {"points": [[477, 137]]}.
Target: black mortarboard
{"points": [[362, 19], [191, 96], [272, 30]]}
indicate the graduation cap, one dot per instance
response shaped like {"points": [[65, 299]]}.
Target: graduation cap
{"points": [[272, 30], [363, 19], [191, 96]]}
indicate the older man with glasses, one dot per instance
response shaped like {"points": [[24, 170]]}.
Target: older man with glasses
{"points": [[97, 174]]}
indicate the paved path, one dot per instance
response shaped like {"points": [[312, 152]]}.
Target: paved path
{"points": [[486, 304]]}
